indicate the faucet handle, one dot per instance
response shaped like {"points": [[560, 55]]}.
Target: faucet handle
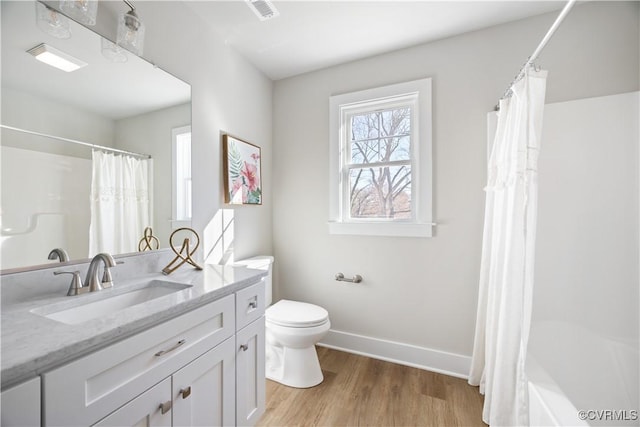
{"points": [[76, 287]]}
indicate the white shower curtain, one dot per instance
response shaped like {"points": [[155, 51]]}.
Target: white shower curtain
{"points": [[120, 207], [506, 271]]}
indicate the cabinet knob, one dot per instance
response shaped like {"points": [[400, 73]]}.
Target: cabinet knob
{"points": [[165, 407], [253, 304], [185, 392], [244, 347]]}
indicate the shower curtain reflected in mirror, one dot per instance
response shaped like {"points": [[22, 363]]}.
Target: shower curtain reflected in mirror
{"points": [[120, 202]]}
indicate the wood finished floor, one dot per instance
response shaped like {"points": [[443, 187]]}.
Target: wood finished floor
{"points": [[360, 391]]}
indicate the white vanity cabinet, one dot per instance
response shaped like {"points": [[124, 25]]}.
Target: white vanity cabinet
{"points": [[202, 368], [20, 405], [199, 394], [250, 355], [91, 388]]}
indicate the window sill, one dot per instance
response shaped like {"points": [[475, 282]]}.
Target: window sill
{"points": [[381, 229]]}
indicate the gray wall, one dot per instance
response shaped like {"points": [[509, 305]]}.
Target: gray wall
{"points": [[228, 95], [424, 291]]}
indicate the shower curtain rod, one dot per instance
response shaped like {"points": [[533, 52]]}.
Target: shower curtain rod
{"points": [[543, 43], [74, 141]]}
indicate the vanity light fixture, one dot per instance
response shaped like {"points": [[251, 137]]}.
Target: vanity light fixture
{"points": [[83, 11], [130, 30], [56, 58], [52, 22]]}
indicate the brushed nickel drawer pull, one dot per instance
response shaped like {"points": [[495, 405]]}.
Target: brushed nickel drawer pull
{"points": [[163, 352], [185, 392], [253, 304], [244, 347], [165, 407]]}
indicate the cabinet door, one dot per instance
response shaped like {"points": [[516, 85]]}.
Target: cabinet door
{"points": [[151, 409], [21, 404], [204, 390], [250, 379]]}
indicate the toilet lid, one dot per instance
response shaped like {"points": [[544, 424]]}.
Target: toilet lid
{"points": [[296, 314]]}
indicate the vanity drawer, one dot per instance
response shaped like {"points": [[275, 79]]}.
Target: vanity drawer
{"points": [[249, 304], [84, 391]]}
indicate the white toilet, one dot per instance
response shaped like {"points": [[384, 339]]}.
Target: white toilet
{"points": [[292, 330]]}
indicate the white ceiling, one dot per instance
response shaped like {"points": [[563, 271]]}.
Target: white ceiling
{"points": [[309, 35]]}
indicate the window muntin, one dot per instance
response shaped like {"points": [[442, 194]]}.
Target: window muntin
{"points": [[378, 163], [377, 169], [357, 149]]}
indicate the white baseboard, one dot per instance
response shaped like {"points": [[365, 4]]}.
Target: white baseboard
{"points": [[452, 364]]}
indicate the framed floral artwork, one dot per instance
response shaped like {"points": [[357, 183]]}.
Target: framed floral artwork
{"points": [[242, 180]]}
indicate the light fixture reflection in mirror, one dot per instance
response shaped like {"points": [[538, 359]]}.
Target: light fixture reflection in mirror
{"points": [[113, 52], [56, 58], [83, 11]]}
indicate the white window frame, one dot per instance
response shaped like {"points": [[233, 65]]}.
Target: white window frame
{"points": [[341, 107], [185, 221]]}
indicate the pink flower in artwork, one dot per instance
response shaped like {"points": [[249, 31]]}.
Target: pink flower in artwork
{"points": [[236, 185], [255, 157], [238, 190], [250, 174]]}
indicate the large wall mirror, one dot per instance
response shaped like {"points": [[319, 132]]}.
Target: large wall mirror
{"points": [[117, 101]]}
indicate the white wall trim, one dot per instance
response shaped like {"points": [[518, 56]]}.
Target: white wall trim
{"points": [[421, 164], [455, 365]]}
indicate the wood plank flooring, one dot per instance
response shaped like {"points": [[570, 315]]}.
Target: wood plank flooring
{"points": [[360, 391]]}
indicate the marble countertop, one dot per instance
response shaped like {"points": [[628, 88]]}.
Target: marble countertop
{"points": [[33, 344]]}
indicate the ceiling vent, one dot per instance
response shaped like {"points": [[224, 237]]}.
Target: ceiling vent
{"points": [[263, 9]]}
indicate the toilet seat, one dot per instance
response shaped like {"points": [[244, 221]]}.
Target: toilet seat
{"points": [[295, 314]]}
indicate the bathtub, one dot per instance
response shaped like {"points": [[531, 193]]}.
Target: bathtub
{"points": [[577, 378]]}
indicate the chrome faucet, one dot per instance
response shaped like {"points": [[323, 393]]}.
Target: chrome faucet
{"points": [[58, 253], [92, 281]]}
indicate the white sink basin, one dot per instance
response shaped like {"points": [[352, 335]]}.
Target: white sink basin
{"points": [[110, 304]]}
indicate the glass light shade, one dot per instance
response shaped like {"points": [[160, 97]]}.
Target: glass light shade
{"points": [[113, 52], [52, 22], [83, 11], [130, 32]]}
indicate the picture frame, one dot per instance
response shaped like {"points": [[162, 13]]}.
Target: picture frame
{"points": [[242, 171]]}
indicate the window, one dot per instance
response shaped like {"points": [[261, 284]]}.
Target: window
{"points": [[381, 161], [181, 172]]}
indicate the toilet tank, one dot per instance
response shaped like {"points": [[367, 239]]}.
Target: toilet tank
{"points": [[262, 262]]}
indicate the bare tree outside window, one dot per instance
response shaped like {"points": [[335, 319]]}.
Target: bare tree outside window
{"points": [[380, 167]]}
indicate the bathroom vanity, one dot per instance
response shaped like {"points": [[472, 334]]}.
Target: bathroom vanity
{"points": [[191, 353]]}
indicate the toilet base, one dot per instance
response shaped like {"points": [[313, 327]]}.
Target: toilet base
{"points": [[293, 367]]}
